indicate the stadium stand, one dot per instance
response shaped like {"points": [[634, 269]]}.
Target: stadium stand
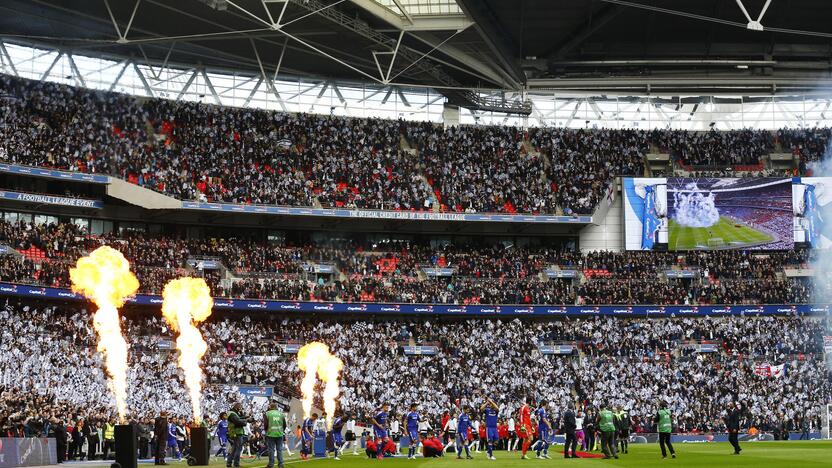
{"points": [[367, 272], [52, 347], [260, 157]]}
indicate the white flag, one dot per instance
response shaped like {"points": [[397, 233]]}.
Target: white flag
{"points": [[778, 371]]}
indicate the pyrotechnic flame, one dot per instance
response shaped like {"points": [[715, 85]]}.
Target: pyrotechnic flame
{"points": [[315, 359], [328, 371], [104, 277], [186, 302]]}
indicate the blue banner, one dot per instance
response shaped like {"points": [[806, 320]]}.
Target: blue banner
{"points": [[438, 271], [53, 174], [252, 392], [9, 289], [549, 349], [204, 264], [323, 268], [51, 199], [290, 348], [384, 214], [562, 273], [420, 350], [681, 273]]}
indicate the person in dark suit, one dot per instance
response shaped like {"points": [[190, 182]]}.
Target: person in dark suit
{"points": [[77, 441], [160, 433], [61, 436], [732, 422], [569, 426], [90, 433]]}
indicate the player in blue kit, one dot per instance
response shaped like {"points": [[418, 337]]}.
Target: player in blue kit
{"points": [[337, 438], [544, 430], [463, 424], [411, 424], [492, 436], [379, 422], [308, 436], [222, 434]]}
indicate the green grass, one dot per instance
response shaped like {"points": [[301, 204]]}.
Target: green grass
{"points": [[754, 454], [733, 234]]}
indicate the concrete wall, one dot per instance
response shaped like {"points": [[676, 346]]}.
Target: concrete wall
{"points": [[140, 196], [450, 115], [608, 234]]}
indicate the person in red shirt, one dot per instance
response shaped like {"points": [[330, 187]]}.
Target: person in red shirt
{"points": [[445, 417], [372, 448], [526, 432], [502, 432], [432, 447], [389, 448]]}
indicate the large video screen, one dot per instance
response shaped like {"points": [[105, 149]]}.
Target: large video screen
{"points": [[708, 213], [812, 201]]}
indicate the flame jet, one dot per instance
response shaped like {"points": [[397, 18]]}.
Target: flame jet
{"points": [[185, 303], [314, 359], [105, 278]]}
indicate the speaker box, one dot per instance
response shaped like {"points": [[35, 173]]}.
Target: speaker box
{"points": [[200, 446], [126, 446]]}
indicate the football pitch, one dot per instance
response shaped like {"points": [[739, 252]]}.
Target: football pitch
{"points": [[726, 233], [754, 454]]}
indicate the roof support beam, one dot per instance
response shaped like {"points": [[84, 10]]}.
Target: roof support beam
{"points": [[269, 83], [51, 66], [497, 39], [187, 85], [142, 78], [130, 22], [75, 72], [113, 19], [8, 58], [576, 38], [210, 87], [253, 91], [118, 77], [485, 71]]}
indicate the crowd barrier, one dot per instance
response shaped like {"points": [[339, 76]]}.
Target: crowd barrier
{"points": [[358, 308]]}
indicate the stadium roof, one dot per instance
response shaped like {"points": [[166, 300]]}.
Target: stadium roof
{"points": [[694, 47]]}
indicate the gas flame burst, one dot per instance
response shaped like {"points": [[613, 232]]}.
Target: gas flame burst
{"points": [[105, 278], [187, 302], [315, 359]]}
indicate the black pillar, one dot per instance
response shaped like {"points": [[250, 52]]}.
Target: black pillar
{"points": [[200, 446], [126, 446]]}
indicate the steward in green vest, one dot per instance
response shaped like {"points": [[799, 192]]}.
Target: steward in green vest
{"points": [[274, 423], [236, 431], [664, 420], [108, 433], [664, 425], [622, 425], [606, 423]]}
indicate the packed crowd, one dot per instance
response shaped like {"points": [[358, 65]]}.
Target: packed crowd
{"points": [[396, 271], [51, 368], [209, 153]]}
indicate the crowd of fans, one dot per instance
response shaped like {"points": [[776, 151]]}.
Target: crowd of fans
{"points": [[51, 368], [209, 153], [398, 271]]}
